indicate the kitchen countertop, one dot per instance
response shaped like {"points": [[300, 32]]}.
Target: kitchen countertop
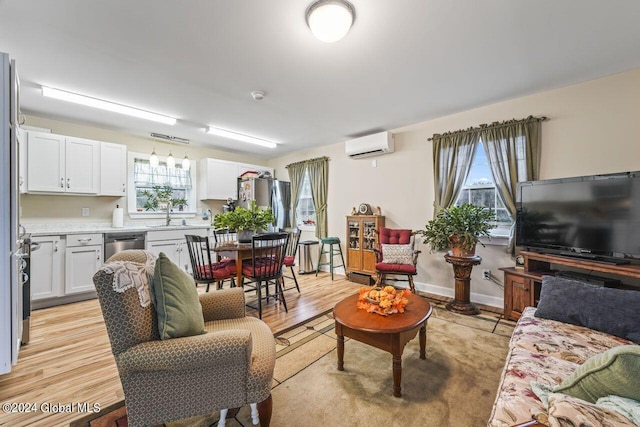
{"points": [[86, 228]]}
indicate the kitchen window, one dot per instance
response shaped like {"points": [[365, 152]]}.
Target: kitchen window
{"points": [[306, 209], [480, 190], [142, 177]]}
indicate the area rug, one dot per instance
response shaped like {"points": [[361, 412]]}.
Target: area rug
{"points": [[454, 386]]}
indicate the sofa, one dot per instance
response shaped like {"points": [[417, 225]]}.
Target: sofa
{"points": [[573, 324]]}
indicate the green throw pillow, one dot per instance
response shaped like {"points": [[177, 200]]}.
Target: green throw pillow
{"points": [[176, 301], [613, 372]]}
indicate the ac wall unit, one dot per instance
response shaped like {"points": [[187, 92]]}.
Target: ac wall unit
{"points": [[370, 145]]}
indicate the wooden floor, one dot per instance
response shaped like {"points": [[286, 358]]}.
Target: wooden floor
{"points": [[68, 359]]}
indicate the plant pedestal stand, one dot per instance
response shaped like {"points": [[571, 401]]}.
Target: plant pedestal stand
{"points": [[462, 267]]}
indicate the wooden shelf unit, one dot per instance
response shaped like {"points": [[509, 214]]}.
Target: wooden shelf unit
{"points": [[362, 239], [522, 286]]}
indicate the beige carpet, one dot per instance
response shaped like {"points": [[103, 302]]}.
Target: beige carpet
{"points": [[454, 386]]}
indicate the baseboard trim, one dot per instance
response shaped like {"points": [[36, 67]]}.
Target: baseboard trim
{"points": [[449, 292], [483, 299]]}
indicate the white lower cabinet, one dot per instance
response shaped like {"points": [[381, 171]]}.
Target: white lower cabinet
{"points": [[47, 267], [83, 257], [171, 248], [174, 245]]}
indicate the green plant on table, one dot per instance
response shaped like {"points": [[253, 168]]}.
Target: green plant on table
{"points": [[240, 219]]}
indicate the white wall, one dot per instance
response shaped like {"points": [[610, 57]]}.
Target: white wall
{"points": [[593, 127]]}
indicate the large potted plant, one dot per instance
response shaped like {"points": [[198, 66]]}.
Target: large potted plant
{"points": [[245, 221], [458, 228]]}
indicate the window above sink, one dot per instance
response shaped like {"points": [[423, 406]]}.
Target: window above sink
{"points": [[142, 176]]}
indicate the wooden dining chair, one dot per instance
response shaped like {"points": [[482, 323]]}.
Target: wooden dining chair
{"points": [[204, 270], [290, 257], [224, 235], [267, 258]]}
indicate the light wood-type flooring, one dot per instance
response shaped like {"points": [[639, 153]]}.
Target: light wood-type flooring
{"points": [[69, 360]]}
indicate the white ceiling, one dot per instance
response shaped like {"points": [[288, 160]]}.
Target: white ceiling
{"points": [[403, 62]]}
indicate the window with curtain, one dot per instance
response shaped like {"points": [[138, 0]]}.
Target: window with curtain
{"points": [[144, 177], [305, 209], [480, 189]]}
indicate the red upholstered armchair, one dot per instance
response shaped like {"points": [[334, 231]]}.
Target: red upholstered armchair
{"points": [[396, 256]]}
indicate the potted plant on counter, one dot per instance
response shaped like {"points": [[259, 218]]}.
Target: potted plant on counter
{"points": [[458, 228], [159, 197], [245, 221]]}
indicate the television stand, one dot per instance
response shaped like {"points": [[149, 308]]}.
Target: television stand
{"points": [[596, 258], [522, 286]]}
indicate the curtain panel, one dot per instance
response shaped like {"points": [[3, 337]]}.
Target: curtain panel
{"points": [[296, 176], [319, 179], [452, 158], [146, 176], [318, 170], [513, 151]]}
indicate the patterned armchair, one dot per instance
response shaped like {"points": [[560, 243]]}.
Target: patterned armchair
{"points": [[396, 256], [228, 367]]}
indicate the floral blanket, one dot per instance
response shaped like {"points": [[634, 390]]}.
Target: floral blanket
{"points": [[546, 351]]}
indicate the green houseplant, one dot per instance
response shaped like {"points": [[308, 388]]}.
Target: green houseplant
{"points": [[160, 194], [458, 228], [245, 220]]}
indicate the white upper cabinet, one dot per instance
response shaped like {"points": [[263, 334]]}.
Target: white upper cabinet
{"points": [[60, 164], [81, 165], [113, 169], [46, 162], [219, 178]]}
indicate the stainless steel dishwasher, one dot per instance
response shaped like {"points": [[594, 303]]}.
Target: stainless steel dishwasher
{"points": [[120, 241]]}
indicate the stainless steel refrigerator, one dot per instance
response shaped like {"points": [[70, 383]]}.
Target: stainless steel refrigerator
{"points": [[268, 192]]}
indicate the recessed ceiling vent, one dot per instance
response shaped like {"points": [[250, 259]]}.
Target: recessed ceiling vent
{"points": [[170, 138], [370, 145]]}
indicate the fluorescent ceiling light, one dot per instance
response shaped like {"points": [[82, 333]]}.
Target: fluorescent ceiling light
{"points": [[106, 105], [241, 137], [330, 20]]}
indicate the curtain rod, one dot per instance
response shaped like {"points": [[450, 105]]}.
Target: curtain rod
{"points": [[317, 159], [486, 126]]}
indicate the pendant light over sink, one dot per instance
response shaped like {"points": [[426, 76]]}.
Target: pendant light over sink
{"points": [[330, 20], [171, 161]]}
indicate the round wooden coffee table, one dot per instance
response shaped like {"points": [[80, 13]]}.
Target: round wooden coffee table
{"points": [[389, 333]]}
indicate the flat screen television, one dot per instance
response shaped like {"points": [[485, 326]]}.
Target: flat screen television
{"points": [[595, 217]]}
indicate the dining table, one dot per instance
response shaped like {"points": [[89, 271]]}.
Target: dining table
{"points": [[239, 251]]}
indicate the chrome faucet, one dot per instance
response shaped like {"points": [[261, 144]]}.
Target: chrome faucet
{"points": [[169, 206]]}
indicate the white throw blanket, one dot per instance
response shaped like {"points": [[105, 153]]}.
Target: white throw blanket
{"points": [[127, 274]]}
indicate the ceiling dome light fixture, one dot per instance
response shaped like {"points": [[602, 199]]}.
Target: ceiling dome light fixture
{"points": [[330, 20]]}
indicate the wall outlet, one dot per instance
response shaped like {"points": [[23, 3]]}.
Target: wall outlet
{"points": [[85, 211], [486, 274]]}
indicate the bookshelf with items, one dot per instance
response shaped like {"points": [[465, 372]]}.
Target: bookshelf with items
{"points": [[362, 238]]}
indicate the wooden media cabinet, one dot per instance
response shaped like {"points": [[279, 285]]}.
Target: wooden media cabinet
{"points": [[522, 286]]}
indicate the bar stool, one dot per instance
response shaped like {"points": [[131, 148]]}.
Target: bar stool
{"points": [[331, 241]]}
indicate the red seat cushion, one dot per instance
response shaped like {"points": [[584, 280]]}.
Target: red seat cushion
{"points": [[264, 267], [289, 261], [230, 265], [395, 236], [396, 268], [216, 270]]}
